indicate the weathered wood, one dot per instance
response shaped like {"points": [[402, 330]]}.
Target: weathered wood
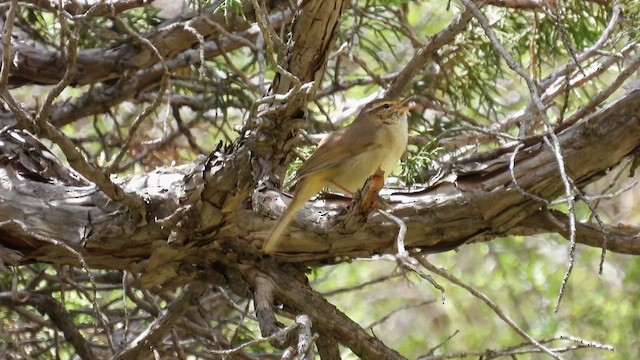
{"points": [[479, 205], [35, 65]]}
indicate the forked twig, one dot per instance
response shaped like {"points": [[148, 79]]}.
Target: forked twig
{"points": [[492, 305]]}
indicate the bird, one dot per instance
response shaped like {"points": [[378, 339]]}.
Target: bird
{"points": [[347, 157]]}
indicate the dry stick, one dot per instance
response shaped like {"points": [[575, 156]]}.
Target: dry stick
{"points": [[570, 212], [69, 149], [554, 144], [614, 194], [515, 350], [164, 85], [433, 349], [397, 310], [274, 336], [200, 39], [75, 158], [125, 309], [403, 256], [492, 305], [601, 225], [512, 164], [424, 54], [363, 285]]}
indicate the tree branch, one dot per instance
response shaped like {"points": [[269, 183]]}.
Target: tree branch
{"points": [[162, 325], [56, 312]]}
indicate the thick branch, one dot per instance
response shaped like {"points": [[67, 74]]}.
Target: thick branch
{"points": [[327, 319], [100, 98], [482, 204], [34, 65]]}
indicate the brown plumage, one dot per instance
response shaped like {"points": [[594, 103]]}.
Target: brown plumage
{"points": [[347, 157]]}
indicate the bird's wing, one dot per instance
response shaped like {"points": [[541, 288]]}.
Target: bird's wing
{"points": [[334, 150]]}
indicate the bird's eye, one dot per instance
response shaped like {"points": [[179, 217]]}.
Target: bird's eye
{"points": [[386, 106]]}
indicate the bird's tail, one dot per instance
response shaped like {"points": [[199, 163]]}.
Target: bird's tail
{"points": [[305, 189], [269, 245]]}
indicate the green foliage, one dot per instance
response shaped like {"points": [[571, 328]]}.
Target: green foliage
{"points": [[303, 154], [521, 275], [414, 167], [466, 83], [226, 6]]}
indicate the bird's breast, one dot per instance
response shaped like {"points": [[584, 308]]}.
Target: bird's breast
{"points": [[389, 145]]}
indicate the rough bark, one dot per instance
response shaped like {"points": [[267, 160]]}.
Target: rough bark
{"points": [[35, 65], [480, 204], [75, 222], [120, 79], [206, 221]]}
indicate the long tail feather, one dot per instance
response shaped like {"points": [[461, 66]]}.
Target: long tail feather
{"points": [[306, 188]]}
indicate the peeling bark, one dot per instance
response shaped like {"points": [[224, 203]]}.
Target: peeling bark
{"points": [[480, 204], [206, 221]]}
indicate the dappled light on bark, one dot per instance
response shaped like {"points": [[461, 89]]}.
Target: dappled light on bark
{"points": [[146, 151]]}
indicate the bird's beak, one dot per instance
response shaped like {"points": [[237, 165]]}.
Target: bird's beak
{"points": [[402, 107]]}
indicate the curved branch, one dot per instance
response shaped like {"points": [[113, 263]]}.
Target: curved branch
{"points": [[327, 319], [56, 313], [33, 65], [162, 325], [623, 239], [481, 204]]}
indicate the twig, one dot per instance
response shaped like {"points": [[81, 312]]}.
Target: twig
{"points": [[397, 310], [514, 179], [568, 189], [433, 349], [492, 305], [403, 257], [164, 85], [425, 53], [360, 286], [187, 27], [605, 239], [283, 332]]}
